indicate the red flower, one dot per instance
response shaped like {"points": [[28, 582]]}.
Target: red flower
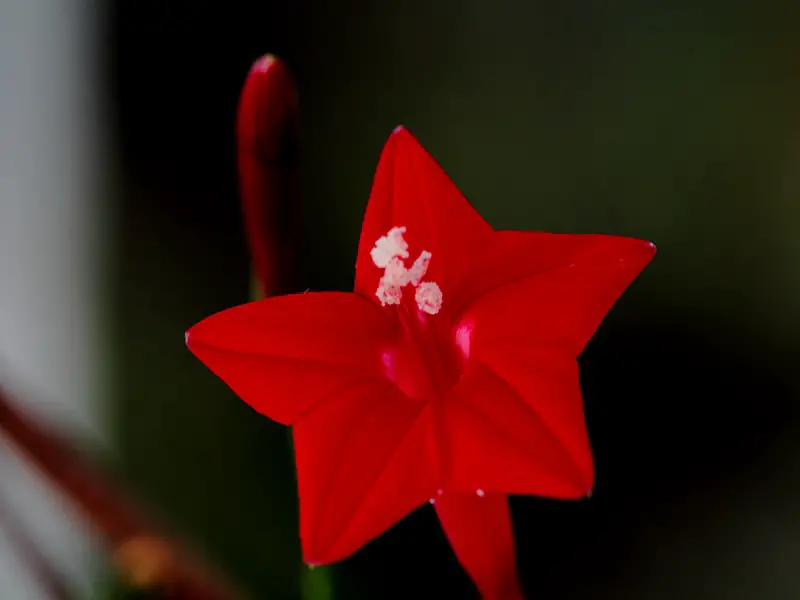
{"points": [[449, 376]]}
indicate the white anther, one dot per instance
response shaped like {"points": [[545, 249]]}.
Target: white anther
{"points": [[395, 274], [429, 297], [389, 246], [388, 254], [389, 294], [419, 268]]}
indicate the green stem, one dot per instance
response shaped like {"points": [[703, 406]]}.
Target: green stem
{"points": [[316, 583]]}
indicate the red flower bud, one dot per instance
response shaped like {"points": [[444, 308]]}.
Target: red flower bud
{"points": [[267, 142]]}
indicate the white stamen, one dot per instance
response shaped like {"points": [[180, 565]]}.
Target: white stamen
{"points": [[389, 246], [480, 492], [389, 253], [432, 500], [429, 297], [389, 294], [419, 268], [395, 274]]}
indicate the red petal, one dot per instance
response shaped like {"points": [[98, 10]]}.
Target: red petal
{"points": [[479, 530], [266, 132], [550, 387], [411, 190], [363, 463], [493, 437], [286, 354], [548, 290]]}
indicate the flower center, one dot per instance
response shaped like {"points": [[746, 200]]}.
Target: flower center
{"points": [[425, 362]]}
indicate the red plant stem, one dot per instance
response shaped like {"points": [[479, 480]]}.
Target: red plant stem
{"points": [[106, 508], [267, 139]]}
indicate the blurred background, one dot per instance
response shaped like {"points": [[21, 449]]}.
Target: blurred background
{"points": [[121, 226]]}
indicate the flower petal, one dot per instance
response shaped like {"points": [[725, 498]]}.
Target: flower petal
{"points": [[364, 461], [286, 354], [411, 190], [479, 530], [549, 385], [492, 437], [551, 290]]}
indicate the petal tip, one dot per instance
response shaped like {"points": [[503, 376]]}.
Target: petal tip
{"points": [[190, 339], [402, 133], [264, 63]]}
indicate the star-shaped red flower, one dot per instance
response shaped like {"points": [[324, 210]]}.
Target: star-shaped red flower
{"points": [[451, 379]]}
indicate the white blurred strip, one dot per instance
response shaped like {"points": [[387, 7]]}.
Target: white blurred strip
{"points": [[51, 523], [13, 576], [49, 268]]}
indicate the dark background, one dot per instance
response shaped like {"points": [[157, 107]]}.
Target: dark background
{"points": [[672, 121]]}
